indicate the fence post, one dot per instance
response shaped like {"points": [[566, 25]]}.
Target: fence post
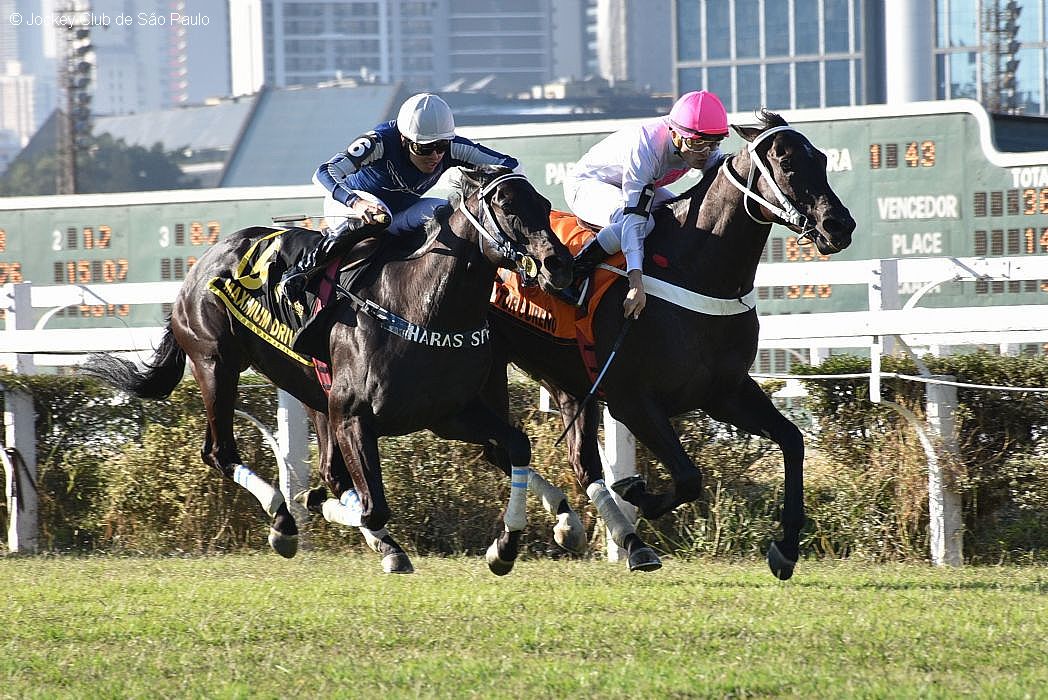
{"points": [[293, 441], [18, 305], [946, 527], [20, 467], [620, 461]]}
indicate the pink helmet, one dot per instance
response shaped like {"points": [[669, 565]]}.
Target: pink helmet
{"points": [[698, 113]]}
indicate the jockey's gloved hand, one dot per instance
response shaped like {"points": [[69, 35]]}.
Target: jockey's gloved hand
{"points": [[376, 216]]}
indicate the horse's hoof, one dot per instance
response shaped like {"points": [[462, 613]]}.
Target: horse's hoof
{"points": [[780, 565], [284, 545], [495, 563], [644, 559], [624, 486], [570, 533], [312, 499], [397, 563]]}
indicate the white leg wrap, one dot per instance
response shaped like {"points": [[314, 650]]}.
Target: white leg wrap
{"points": [[569, 532], [551, 496], [516, 512], [373, 537], [615, 521], [269, 497], [346, 511]]}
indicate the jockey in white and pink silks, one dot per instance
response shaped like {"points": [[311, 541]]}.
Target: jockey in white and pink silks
{"points": [[619, 180]]}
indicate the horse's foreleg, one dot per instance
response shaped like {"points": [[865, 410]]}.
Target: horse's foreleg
{"points": [[569, 532], [345, 508], [751, 410], [394, 559], [218, 385], [478, 425]]}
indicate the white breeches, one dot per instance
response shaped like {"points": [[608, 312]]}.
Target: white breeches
{"points": [[600, 203], [335, 212]]}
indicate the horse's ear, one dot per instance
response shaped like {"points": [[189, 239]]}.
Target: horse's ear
{"points": [[746, 132]]}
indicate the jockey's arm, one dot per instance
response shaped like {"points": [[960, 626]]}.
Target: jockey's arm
{"points": [[333, 174], [639, 173], [468, 153]]}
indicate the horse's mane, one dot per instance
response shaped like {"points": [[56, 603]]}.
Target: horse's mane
{"points": [[770, 119], [465, 186]]}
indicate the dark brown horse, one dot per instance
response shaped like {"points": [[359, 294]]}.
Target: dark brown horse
{"points": [[673, 359], [412, 353]]}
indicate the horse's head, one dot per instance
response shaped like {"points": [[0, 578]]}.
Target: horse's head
{"points": [[790, 176], [512, 220]]}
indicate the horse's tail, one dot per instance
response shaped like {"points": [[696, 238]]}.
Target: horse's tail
{"points": [[156, 381]]}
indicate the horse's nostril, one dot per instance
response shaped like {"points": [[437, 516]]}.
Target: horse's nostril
{"points": [[553, 264], [832, 226]]}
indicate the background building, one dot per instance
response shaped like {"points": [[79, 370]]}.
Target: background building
{"points": [[485, 54], [632, 44], [146, 66], [504, 45], [780, 53], [822, 53]]}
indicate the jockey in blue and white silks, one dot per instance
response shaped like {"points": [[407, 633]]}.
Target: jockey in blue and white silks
{"points": [[618, 182], [386, 171]]}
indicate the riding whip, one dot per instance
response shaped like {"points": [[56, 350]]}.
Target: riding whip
{"points": [[596, 382]]}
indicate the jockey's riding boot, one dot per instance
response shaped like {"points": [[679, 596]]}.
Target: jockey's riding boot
{"points": [[334, 245], [582, 267], [588, 259]]}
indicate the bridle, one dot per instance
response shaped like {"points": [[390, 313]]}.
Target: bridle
{"points": [[499, 240], [787, 212]]}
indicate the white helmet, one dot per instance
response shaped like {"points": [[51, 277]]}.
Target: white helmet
{"points": [[425, 118]]}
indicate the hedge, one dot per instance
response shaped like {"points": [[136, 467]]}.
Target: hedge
{"points": [[121, 475]]}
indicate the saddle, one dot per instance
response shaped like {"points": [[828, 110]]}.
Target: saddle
{"points": [[322, 296], [250, 292], [549, 315]]}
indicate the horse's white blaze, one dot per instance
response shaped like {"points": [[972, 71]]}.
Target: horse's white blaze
{"points": [[516, 511], [270, 498], [616, 522]]}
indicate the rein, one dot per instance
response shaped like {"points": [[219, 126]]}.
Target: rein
{"points": [[400, 326], [502, 243], [788, 212]]}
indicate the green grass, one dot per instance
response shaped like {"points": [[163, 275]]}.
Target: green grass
{"points": [[336, 627]]}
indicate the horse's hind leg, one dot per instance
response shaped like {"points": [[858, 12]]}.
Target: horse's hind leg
{"points": [[344, 508], [646, 420], [751, 410], [585, 459], [218, 381]]}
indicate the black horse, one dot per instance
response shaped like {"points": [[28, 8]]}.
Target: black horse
{"points": [[412, 353], [673, 359]]}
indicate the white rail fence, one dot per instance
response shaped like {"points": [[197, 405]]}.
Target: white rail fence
{"points": [[26, 344]]}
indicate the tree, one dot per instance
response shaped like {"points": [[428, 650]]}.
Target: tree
{"points": [[105, 165]]}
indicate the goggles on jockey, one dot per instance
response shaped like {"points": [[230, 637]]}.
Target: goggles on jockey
{"points": [[428, 149], [702, 143]]}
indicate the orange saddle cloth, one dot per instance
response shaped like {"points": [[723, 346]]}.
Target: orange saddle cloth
{"points": [[550, 315]]}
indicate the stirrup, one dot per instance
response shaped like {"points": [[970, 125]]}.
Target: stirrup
{"points": [[293, 284]]}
